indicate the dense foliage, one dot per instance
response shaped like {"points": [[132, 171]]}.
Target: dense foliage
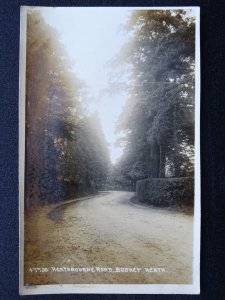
{"points": [[166, 191], [158, 120], [66, 154]]}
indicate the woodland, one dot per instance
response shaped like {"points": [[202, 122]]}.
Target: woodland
{"points": [[67, 155]]}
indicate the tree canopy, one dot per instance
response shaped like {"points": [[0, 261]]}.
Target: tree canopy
{"points": [[66, 153], [158, 120]]}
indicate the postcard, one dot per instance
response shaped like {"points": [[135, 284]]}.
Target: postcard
{"points": [[109, 150]]}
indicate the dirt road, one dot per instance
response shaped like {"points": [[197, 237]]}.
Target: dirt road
{"points": [[114, 241]]}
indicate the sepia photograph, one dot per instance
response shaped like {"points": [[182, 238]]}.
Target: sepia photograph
{"points": [[109, 150]]}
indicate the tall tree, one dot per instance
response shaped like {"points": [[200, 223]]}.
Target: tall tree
{"points": [[159, 121], [66, 153]]}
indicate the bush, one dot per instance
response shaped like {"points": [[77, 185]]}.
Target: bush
{"points": [[166, 191]]}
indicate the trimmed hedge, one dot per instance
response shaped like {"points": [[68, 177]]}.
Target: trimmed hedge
{"points": [[166, 191]]}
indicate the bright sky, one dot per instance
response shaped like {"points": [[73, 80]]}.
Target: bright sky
{"points": [[92, 37]]}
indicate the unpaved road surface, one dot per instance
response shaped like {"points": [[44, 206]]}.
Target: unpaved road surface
{"points": [[109, 232]]}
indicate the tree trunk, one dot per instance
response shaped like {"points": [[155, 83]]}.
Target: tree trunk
{"points": [[162, 161], [175, 143], [150, 165], [134, 186], [155, 160]]}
